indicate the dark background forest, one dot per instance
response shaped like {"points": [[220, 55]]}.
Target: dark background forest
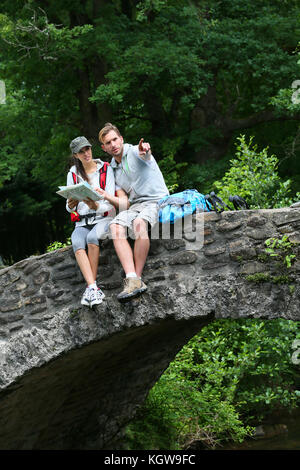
{"points": [[188, 76]]}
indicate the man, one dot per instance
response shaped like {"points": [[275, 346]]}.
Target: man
{"points": [[136, 173]]}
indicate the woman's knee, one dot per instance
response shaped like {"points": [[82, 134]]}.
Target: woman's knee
{"points": [[78, 240], [78, 246], [78, 251], [92, 239]]}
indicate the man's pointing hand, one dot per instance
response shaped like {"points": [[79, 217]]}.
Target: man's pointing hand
{"points": [[144, 148]]}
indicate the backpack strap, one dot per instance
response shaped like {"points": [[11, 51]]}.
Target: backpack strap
{"points": [[102, 175], [102, 179], [75, 217], [74, 176]]}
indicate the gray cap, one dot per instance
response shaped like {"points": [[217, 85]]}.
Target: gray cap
{"points": [[77, 144]]}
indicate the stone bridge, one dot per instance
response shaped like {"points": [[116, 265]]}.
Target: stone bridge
{"points": [[72, 377]]}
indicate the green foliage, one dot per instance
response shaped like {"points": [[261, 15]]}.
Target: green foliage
{"points": [[284, 252], [149, 6], [154, 426], [282, 249], [228, 377], [258, 278], [289, 98], [57, 245], [253, 175]]}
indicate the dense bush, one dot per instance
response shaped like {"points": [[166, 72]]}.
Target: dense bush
{"points": [[254, 175], [230, 376]]}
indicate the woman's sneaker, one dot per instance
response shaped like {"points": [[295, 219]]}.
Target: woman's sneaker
{"points": [[101, 293], [92, 297], [85, 299], [96, 297]]}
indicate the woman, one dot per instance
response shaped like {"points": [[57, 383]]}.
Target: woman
{"points": [[93, 216]]}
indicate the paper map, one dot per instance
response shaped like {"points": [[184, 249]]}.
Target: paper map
{"points": [[79, 191]]}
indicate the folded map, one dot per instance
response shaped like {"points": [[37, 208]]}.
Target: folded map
{"points": [[79, 191]]}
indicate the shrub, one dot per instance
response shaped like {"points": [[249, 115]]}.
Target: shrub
{"points": [[253, 175], [228, 378]]}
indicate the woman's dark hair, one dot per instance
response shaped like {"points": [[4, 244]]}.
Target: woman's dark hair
{"points": [[79, 168]]}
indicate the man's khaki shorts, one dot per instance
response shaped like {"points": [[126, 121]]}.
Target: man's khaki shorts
{"points": [[147, 210]]}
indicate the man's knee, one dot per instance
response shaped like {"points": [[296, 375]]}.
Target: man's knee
{"points": [[140, 227], [117, 231]]}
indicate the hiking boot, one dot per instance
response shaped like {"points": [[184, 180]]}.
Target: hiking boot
{"points": [[96, 297], [238, 202], [215, 201], [133, 286], [85, 299]]}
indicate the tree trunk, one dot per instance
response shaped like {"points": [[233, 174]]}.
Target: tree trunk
{"points": [[157, 115], [98, 71], [88, 110]]}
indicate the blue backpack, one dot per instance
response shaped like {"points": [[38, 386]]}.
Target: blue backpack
{"points": [[179, 205]]}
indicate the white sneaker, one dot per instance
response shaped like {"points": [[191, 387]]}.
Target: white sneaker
{"points": [[101, 293], [85, 299], [96, 296]]}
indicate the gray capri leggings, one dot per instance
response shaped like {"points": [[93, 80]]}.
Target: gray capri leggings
{"points": [[83, 235]]}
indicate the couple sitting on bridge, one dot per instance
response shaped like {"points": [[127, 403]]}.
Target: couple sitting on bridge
{"points": [[133, 184]]}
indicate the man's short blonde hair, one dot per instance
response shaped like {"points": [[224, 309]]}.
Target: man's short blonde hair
{"points": [[106, 129]]}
